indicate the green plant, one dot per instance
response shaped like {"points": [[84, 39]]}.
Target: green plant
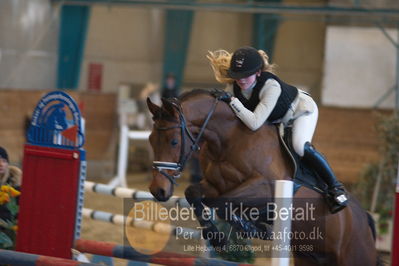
{"points": [[8, 218], [386, 170]]}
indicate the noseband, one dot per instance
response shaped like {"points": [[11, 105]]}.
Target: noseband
{"points": [[178, 167]]}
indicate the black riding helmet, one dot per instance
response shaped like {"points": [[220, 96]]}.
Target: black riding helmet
{"points": [[245, 62], [3, 154]]}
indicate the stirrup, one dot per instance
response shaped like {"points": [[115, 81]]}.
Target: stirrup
{"points": [[337, 199]]}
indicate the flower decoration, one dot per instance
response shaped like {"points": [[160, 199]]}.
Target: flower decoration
{"points": [[8, 216]]}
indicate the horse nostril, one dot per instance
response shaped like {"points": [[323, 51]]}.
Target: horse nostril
{"points": [[161, 188], [161, 194]]}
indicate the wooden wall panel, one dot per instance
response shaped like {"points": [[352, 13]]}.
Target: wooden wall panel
{"points": [[99, 110], [347, 137], [349, 140]]}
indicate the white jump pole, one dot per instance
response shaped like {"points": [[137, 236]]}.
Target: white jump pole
{"points": [[137, 195], [124, 136], [283, 199]]}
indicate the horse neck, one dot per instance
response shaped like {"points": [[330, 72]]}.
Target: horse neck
{"points": [[217, 130], [224, 129], [228, 142]]}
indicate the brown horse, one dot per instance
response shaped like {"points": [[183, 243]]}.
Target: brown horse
{"points": [[242, 165]]}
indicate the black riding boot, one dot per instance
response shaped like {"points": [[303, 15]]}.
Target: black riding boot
{"points": [[316, 160]]}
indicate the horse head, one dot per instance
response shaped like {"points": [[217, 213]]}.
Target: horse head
{"points": [[54, 118], [166, 144], [179, 127]]}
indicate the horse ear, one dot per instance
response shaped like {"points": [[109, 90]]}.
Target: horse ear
{"points": [[152, 106], [168, 106]]}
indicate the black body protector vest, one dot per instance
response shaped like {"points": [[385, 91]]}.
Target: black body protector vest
{"points": [[287, 96]]}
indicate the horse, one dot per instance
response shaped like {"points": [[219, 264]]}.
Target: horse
{"points": [[54, 118], [242, 166]]}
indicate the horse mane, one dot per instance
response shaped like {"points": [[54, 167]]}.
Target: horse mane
{"points": [[194, 92], [163, 114]]}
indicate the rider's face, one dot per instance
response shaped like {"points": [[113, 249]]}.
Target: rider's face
{"points": [[247, 82], [3, 166]]}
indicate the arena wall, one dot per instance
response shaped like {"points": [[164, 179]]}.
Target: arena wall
{"points": [[99, 111], [346, 136]]}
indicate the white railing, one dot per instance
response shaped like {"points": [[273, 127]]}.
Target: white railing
{"points": [[125, 135]]}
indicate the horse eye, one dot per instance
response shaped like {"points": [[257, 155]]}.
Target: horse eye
{"points": [[174, 142]]}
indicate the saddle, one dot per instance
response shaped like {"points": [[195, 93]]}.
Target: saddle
{"points": [[303, 175]]}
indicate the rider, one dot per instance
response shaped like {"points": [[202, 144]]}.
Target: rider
{"points": [[260, 96]]}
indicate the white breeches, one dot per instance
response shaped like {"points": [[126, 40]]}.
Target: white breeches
{"points": [[304, 126]]}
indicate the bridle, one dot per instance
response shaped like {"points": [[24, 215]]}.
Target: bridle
{"points": [[178, 167]]}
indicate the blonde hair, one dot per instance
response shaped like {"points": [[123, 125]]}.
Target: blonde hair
{"points": [[220, 63]]}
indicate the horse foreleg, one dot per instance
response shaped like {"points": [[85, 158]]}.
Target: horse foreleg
{"points": [[245, 194], [194, 194]]}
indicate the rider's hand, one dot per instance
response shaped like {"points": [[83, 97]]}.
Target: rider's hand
{"points": [[222, 95]]}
